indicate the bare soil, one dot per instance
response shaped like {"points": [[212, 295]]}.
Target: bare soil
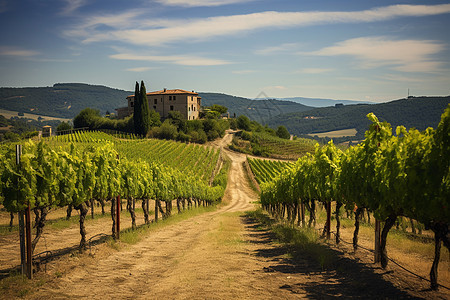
{"points": [[216, 255]]}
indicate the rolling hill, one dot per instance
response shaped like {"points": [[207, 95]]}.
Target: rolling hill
{"points": [[319, 102], [63, 100], [66, 100], [258, 110], [418, 112]]}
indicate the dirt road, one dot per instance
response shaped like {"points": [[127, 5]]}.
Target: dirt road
{"points": [[207, 256]]}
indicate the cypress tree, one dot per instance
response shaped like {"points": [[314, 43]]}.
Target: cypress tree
{"points": [[145, 111], [137, 109]]}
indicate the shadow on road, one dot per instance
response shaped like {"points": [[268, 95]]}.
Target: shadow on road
{"points": [[342, 277]]}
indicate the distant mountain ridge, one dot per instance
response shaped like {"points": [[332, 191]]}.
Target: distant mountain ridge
{"points": [[418, 112], [319, 102], [64, 100], [258, 110]]}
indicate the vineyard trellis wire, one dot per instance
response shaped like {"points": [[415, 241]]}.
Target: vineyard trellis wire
{"points": [[407, 174]]}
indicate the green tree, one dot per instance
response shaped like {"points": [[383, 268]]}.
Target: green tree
{"points": [[141, 117], [167, 131], [155, 118], [86, 118], [175, 115], [243, 122], [64, 126], [145, 111], [137, 108], [219, 108], [283, 133]]}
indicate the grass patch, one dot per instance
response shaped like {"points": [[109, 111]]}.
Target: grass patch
{"points": [[130, 236], [227, 233], [300, 241], [398, 239], [59, 223], [63, 223], [248, 177], [17, 285], [5, 229]]}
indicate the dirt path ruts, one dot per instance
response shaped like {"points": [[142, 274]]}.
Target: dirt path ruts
{"points": [[178, 261]]}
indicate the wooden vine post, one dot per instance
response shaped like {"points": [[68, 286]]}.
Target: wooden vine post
{"points": [[118, 217], [28, 238], [25, 232], [328, 207], [377, 254], [118, 208], [23, 257]]}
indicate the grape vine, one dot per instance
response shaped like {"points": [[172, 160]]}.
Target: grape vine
{"points": [[406, 174]]}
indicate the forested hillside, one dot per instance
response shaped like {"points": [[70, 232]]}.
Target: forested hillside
{"points": [[68, 99], [418, 112], [258, 110], [64, 100], [319, 102]]}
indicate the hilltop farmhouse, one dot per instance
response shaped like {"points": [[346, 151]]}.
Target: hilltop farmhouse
{"points": [[164, 101]]}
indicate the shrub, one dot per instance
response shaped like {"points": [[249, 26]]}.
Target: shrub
{"points": [[64, 126], [233, 124], [167, 131], [212, 135], [87, 118], [183, 137], [283, 133], [198, 137], [243, 122], [246, 135]]}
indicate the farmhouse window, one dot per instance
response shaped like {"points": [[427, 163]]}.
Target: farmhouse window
{"points": [[171, 107], [156, 101]]}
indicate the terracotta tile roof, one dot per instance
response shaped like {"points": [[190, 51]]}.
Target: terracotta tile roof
{"points": [[170, 92]]}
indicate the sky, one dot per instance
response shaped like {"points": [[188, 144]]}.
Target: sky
{"points": [[347, 49]]}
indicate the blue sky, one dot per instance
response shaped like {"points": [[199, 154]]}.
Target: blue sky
{"points": [[355, 50]]}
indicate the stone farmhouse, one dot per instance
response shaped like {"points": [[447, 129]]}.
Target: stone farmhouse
{"points": [[164, 101]]}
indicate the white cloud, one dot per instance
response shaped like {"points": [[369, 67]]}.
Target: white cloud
{"points": [[17, 52], [194, 3], [57, 60], [275, 87], [315, 70], [91, 24], [184, 60], [72, 6], [398, 78], [126, 28], [243, 72], [277, 49], [401, 55], [141, 69]]}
